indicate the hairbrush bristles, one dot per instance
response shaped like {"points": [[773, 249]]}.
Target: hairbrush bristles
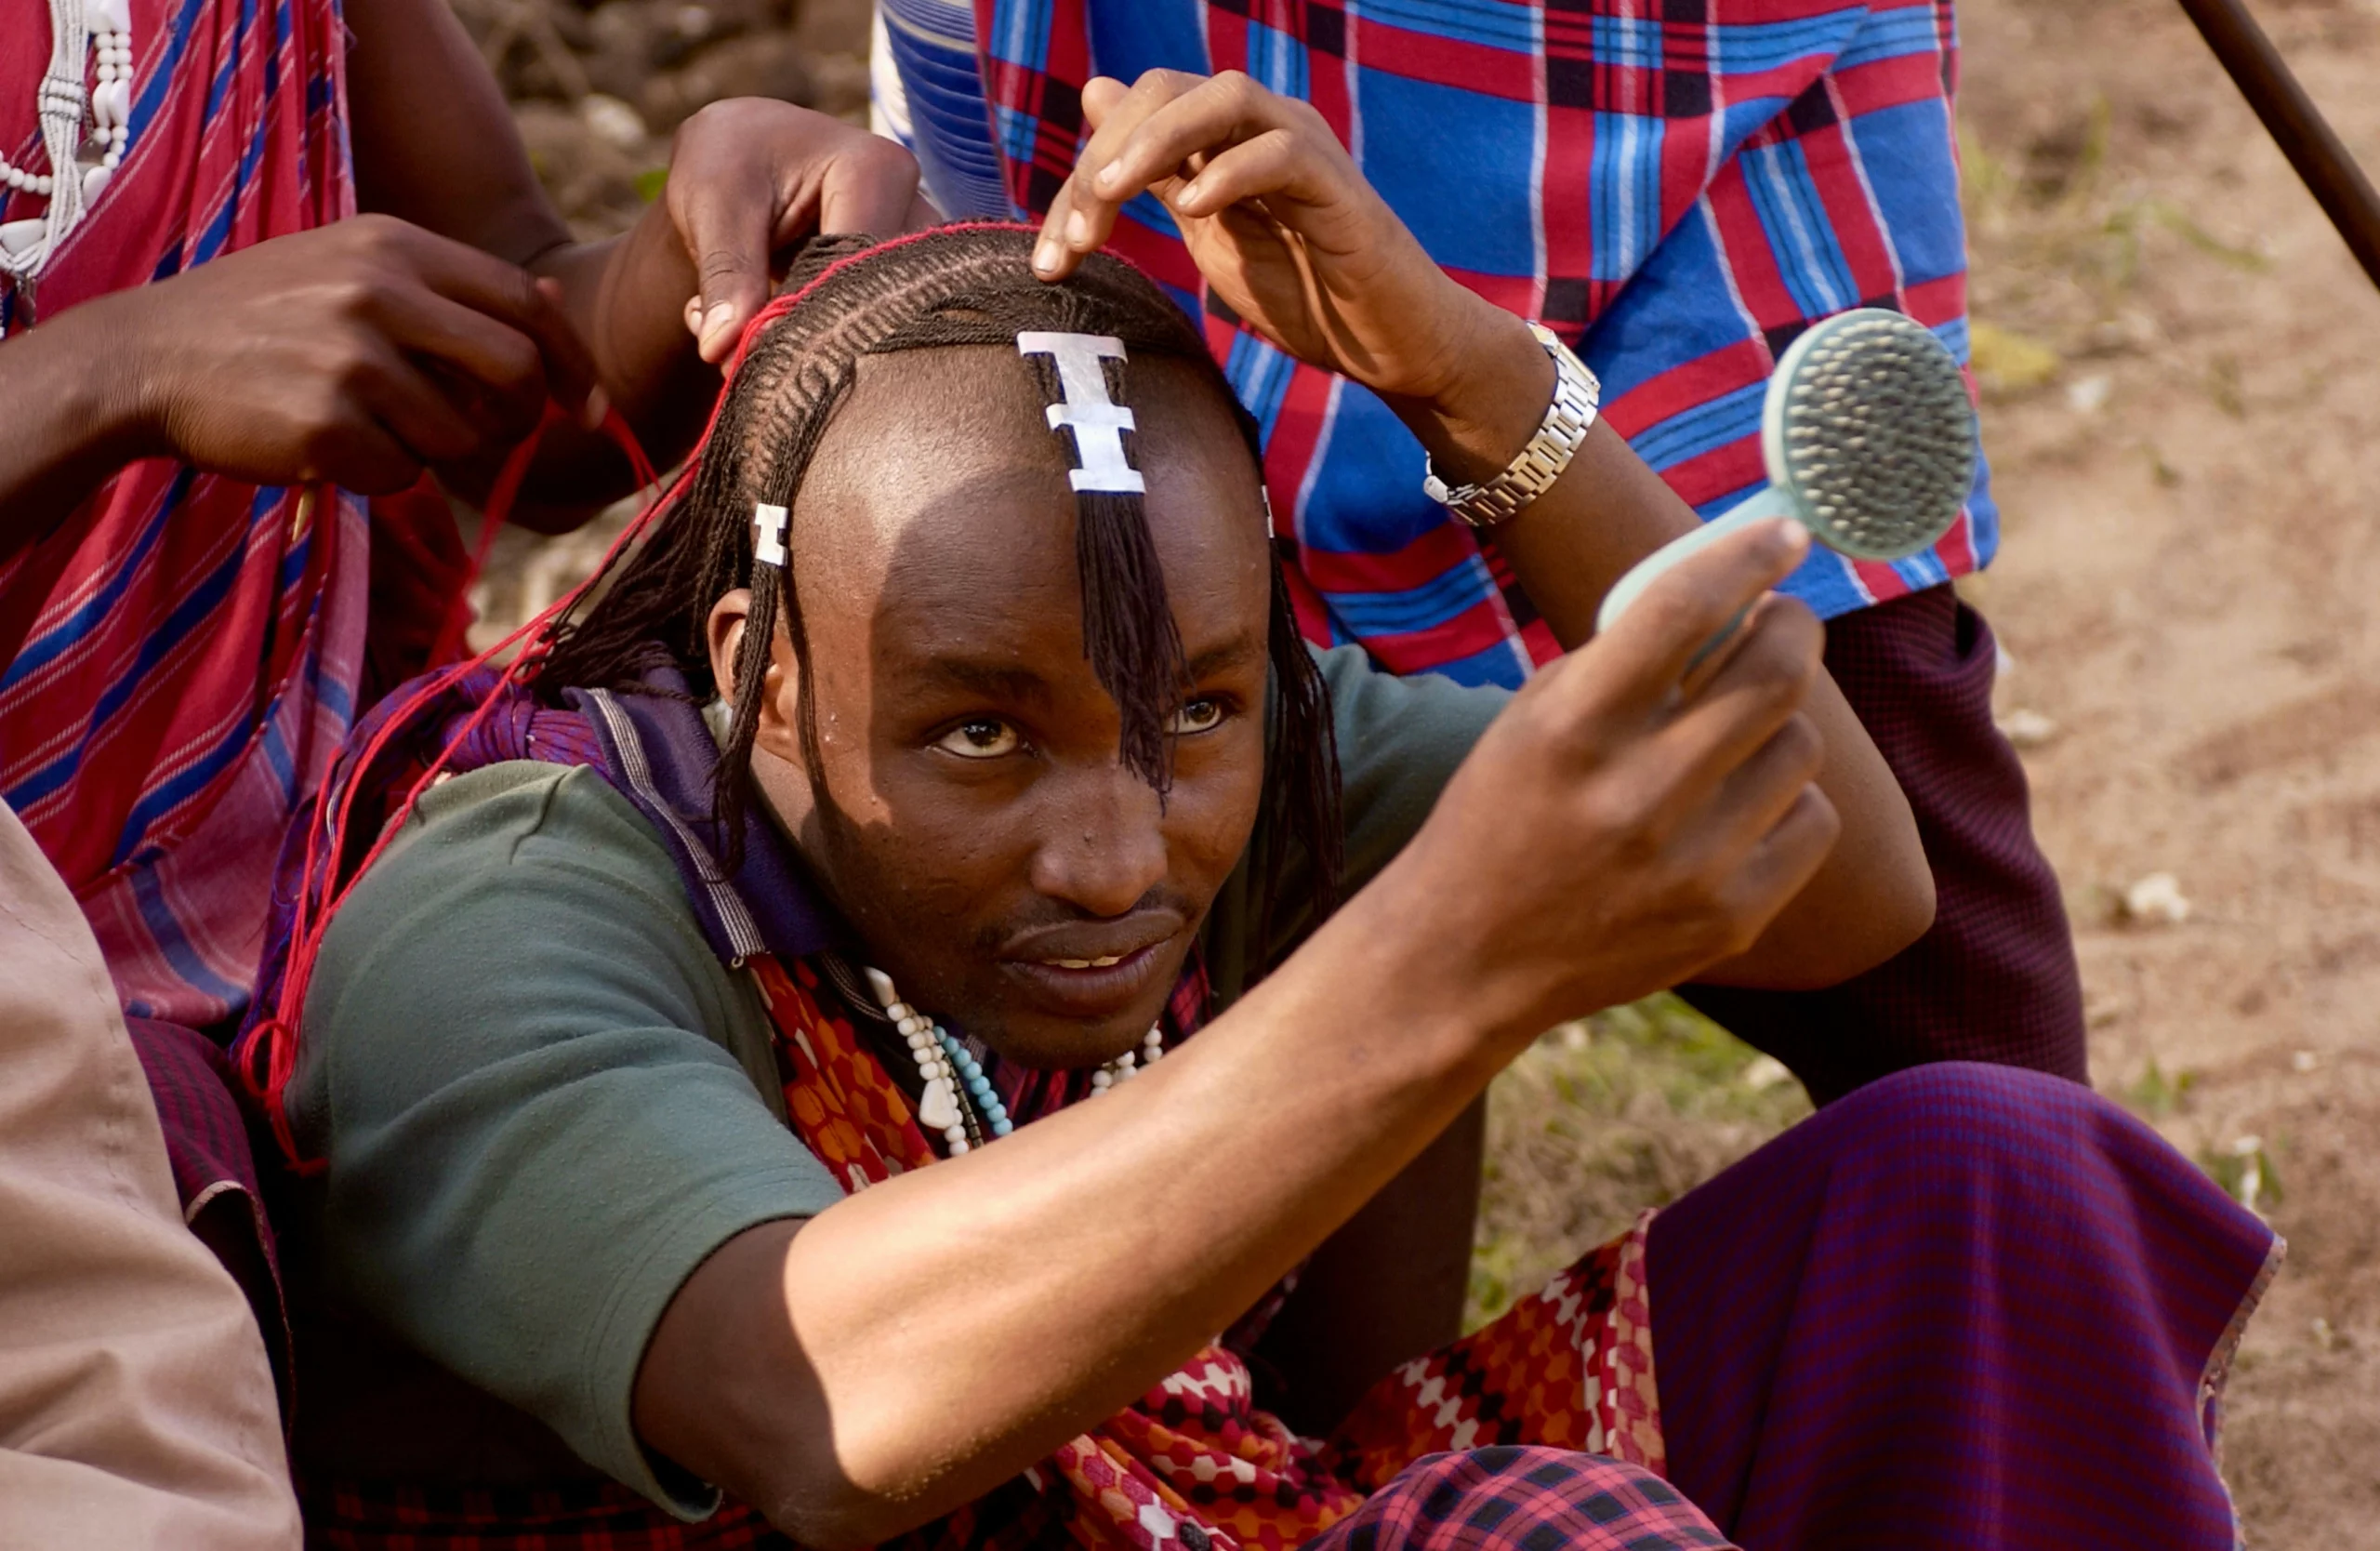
{"points": [[1869, 440], [1874, 435]]}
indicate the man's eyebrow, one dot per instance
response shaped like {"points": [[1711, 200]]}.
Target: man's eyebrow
{"points": [[1001, 681], [1228, 654], [991, 680]]}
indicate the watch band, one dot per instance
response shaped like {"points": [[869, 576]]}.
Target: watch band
{"points": [[1576, 396]]}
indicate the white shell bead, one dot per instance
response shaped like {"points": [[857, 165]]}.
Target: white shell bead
{"points": [[939, 1106]]}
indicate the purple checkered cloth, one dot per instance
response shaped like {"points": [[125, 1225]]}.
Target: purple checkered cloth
{"points": [[214, 1167], [1521, 1499], [1994, 978], [1966, 1306]]}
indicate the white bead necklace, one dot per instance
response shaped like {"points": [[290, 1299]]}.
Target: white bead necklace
{"points": [[86, 111], [958, 1100]]}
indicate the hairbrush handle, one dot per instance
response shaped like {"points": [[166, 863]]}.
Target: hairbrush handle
{"points": [[1771, 502]]}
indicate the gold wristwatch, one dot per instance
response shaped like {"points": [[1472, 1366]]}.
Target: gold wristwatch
{"points": [[1530, 475]]}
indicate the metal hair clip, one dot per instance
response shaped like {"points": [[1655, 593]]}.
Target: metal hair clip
{"points": [[1098, 421], [768, 535]]}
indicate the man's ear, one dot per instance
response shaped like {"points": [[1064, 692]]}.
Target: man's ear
{"points": [[725, 636]]}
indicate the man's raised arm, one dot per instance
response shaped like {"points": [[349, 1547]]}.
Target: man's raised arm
{"points": [[1287, 231]]}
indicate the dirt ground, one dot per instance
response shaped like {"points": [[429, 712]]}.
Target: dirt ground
{"points": [[2183, 382], [2187, 592]]}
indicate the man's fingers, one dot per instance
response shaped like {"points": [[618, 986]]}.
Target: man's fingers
{"points": [[1760, 792], [510, 295], [1210, 118], [423, 419], [1760, 690], [366, 459], [868, 187], [501, 361], [1783, 862], [1160, 129], [726, 225], [1649, 649], [1080, 218], [1271, 163]]}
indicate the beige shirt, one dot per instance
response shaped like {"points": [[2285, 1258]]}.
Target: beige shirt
{"points": [[136, 1407]]}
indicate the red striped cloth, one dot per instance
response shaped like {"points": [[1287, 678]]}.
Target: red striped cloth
{"points": [[181, 655]]}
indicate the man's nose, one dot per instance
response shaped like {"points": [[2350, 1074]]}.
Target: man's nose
{"points": [[1103, 843]]}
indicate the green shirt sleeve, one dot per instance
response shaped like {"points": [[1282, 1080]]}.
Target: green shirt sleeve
{"points": [[543, 1101], [1400, 740]]}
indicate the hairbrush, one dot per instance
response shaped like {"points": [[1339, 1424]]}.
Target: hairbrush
{"points": [[1870, 440]]}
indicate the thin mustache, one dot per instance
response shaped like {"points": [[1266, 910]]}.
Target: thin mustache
{"points": [[995, 940]]}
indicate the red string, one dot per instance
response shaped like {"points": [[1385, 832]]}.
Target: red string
{"points": [[500, 499], [311, 918]]}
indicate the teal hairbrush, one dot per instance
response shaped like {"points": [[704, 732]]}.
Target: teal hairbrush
{"points": [[1870, 440]]}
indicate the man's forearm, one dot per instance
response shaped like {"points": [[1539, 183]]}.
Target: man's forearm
{"points": [[647, 359], [943, 1331]]}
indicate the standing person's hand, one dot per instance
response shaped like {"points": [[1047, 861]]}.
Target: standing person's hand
{"points": [[357, 354], [1279, 221], [750, 176]]}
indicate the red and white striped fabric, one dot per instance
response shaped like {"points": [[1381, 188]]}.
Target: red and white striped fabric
{"points": [[181, 657]]}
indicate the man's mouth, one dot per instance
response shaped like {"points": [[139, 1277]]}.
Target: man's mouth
{"points": [[1089, 971]]}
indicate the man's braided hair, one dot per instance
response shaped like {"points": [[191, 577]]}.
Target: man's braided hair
{"points": [[852, 296]]}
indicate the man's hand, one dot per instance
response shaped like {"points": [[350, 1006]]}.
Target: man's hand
{"points": [[750, 176], [356, 354], [1634, 816], [746, 180], [1281, 223]]}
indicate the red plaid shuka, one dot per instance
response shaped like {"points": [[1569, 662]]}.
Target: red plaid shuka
{"points": [[1194, 1464]]}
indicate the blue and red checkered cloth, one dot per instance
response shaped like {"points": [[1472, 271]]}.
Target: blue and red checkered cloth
{"points": [[1677, 187]]}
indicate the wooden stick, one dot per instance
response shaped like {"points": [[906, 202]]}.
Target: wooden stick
{"points": [[2295, 125]]}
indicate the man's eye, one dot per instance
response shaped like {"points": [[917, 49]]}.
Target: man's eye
{"points": [[1197, 716], [987, 737]]}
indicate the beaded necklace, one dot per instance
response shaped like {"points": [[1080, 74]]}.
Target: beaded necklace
{"points": [[85, 107], [958, 1101]]}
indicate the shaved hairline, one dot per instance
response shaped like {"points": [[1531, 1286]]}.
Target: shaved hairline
{"points": [[961, 398]]}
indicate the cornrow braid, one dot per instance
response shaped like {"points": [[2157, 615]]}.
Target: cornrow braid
{"points": [[850, 297]]}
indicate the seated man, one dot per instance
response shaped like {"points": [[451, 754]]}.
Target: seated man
{"points": [[844, 1028]]}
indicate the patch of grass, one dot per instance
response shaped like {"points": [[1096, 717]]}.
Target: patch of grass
{"points": [[2156, 1095], [1602, 1119]]}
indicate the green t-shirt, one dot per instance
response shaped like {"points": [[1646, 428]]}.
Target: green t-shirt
{"points": [[544, 1100]]}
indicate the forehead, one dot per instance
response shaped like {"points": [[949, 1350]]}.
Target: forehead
{"points": [[937, 514]]}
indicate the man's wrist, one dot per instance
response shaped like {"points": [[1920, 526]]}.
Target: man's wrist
{"points": [[1436, 977], [1490, 405], [123, 397]]}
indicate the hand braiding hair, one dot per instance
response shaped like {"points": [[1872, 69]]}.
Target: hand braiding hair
{"points": [[850, 297]]}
